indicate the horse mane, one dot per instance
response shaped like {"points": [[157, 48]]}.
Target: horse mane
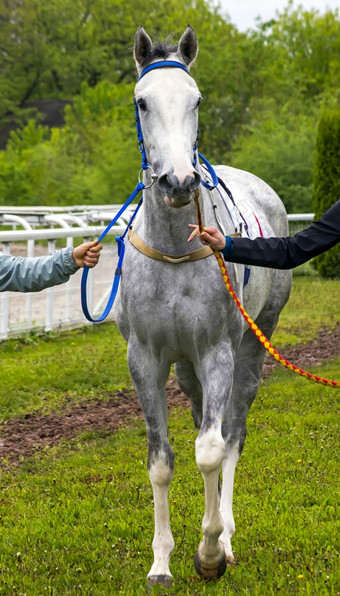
{"points": [[161, 50]]}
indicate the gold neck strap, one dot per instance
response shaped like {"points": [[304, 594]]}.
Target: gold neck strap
{"points": [[196, 255]]}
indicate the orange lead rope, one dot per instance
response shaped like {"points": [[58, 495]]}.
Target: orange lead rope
{"points": [[262, 338]]}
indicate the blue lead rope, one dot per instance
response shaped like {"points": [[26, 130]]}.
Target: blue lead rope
{"points": [[121, 244], [214, 178], [121, 252]]}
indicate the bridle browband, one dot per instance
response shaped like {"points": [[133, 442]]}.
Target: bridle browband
{"points": [[163, 64]]}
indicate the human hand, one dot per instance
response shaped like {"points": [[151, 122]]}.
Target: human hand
{"points": [[211, 236], [87, 254]]}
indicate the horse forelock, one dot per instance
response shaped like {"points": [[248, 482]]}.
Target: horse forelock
{"points": [[160, 51]]}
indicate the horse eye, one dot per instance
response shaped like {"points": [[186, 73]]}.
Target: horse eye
{"points": [[198, 102], [141, 104]]}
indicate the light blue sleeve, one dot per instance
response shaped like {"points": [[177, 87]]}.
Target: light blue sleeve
{"points": [[18, 274]]}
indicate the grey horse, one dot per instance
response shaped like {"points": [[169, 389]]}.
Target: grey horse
{"points": [[173, 305]]}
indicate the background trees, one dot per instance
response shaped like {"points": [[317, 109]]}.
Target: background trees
{"points": [[264, 93], [327, 183]]}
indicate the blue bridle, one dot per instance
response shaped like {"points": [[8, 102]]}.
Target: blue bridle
{"points": [[162, 64], [140, 186], [145, 164]]}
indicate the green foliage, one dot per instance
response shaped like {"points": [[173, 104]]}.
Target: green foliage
{"points": [[327, 183], [94, 158], [327, 169], [279, 149], [297, 71], [304, 47], [52, 47], [263, 94]]}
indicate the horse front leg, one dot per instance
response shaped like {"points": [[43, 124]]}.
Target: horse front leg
{"points": [[149, 379], [226, 505], [247, 375], [210, 560], [160, 474]]}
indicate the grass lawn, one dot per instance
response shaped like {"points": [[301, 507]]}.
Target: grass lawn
{"points": [[44, 373], [78, 518], [313, 304]]}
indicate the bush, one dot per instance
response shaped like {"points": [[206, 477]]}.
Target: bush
{"points": [[93, 159], [279, 149], [327, 183]]}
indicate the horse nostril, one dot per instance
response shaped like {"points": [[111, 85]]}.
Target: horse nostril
{"points": [[169, 183], [165, 184], [195, 181]]}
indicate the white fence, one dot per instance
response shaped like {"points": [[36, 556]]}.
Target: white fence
{"points": [[59, 307]]}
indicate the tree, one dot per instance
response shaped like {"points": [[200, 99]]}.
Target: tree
{"points": [[263, 92], [93, 159], [298, 77], [327, 183]]}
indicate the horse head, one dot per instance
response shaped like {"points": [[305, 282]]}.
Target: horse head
{"points": [[167, 100]]}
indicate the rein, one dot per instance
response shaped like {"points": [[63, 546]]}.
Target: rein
{"points": [[255, 329], [121, 252]]}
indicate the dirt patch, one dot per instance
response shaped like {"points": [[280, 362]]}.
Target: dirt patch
{"points": [[23, 437], [325, 347]]}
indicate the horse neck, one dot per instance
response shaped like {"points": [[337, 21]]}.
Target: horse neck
{"points": [[166, 228]]}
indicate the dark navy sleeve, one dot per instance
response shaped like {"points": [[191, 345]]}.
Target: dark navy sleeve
{"points": [[287, 253]]}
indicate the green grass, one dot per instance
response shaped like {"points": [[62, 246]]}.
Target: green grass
{"points": [[44, 373], [313, 304], [78, 518]]}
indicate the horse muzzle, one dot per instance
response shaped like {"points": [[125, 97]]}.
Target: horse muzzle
{"points": [[176, 203], [178, 194]]}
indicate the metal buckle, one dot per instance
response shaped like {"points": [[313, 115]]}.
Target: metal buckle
{"points": [[153, 175]]}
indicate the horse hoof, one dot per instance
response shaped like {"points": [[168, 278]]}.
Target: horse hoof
{"points": [[210, 572], [161, 580]]}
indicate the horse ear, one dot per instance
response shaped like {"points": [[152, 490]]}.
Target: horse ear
{"points": [[143, 46], [188, 46]]}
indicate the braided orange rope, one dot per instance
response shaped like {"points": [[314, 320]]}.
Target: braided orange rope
{"points": [[262, 338]]}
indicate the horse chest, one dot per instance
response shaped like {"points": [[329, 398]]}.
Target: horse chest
{"points": [[180, 305]]}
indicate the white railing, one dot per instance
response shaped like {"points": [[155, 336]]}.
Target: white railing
{"points": [[298, 221], [59, 307]]}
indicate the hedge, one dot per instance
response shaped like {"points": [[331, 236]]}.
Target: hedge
{"points": [[326, 182]]}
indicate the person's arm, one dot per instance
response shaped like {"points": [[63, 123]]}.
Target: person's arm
{"points": [[18, 274], [279, 253]]}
